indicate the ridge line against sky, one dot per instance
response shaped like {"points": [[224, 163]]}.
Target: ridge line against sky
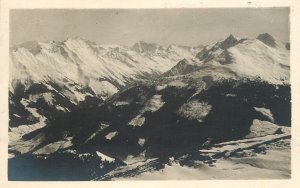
{"points": [[190, 27]]}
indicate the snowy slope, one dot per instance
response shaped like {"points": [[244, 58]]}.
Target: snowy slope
{"points": [[103, 68], [236, 59], [227, 104], [58, 77]]}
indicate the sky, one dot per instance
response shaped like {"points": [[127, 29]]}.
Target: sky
{"points": [[189, 27]]}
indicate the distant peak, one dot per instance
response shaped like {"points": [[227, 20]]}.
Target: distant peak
{"points": [[142, 46], [265, 35], [231, 37], [32, 46], [267, 39], [81, 40], [143, 43], [74, 38], [228, 42]]}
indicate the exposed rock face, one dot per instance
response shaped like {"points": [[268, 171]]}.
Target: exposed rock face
{"points": [[267, 39]]}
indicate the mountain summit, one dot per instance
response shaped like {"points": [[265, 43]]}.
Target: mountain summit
{"points": [[144, 47], [267, 39], [106, 68], [228, 42]]}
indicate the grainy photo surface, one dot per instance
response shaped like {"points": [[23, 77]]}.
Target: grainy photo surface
{"points": [[149, 94]]}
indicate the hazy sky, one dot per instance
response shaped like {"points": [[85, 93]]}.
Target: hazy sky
{"points": [[127, 26]]}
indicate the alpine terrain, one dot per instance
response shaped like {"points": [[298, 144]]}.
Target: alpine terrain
{"points": [[83, 111]]}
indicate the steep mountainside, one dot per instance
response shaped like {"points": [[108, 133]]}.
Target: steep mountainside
{"points": [[102, 68], [51, 78], [234, 91]]}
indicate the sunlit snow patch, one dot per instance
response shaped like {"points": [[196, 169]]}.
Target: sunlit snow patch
{"points": [[53, 147], [105, 157], [137, 121], [154, 104], [111, 135], [58, 107], [160, 87], [266, 112], [16, 133], [120, 103], [102, 126], [16, 115], [263, 128], [141, 142], [48, 97], [103, 88], [194, 110], [177, 83]]}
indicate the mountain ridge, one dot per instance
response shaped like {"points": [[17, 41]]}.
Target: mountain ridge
{"points": [[231, 91]]}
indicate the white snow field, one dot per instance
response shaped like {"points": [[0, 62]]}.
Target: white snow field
{"points": [[244, 168], [80, 68], [238, 159], [101, 67]]}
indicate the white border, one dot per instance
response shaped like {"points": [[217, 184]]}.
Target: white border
{"points": [[6, 5]]}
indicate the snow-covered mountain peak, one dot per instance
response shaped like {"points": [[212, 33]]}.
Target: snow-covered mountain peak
{"points": [[79, 43], [173, 47], [267, 39], [253, 58], [57, 110], [211, 51], [237, 59], [183, 67], [79, 39], [228, 42], [144, 47], [32, 46], [231, 37], [103, 68]]}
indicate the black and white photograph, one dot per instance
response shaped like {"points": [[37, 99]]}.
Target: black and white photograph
{"points": [[149, 94]]}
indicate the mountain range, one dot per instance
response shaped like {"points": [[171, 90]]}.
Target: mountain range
{"points": [[77, 103]]}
